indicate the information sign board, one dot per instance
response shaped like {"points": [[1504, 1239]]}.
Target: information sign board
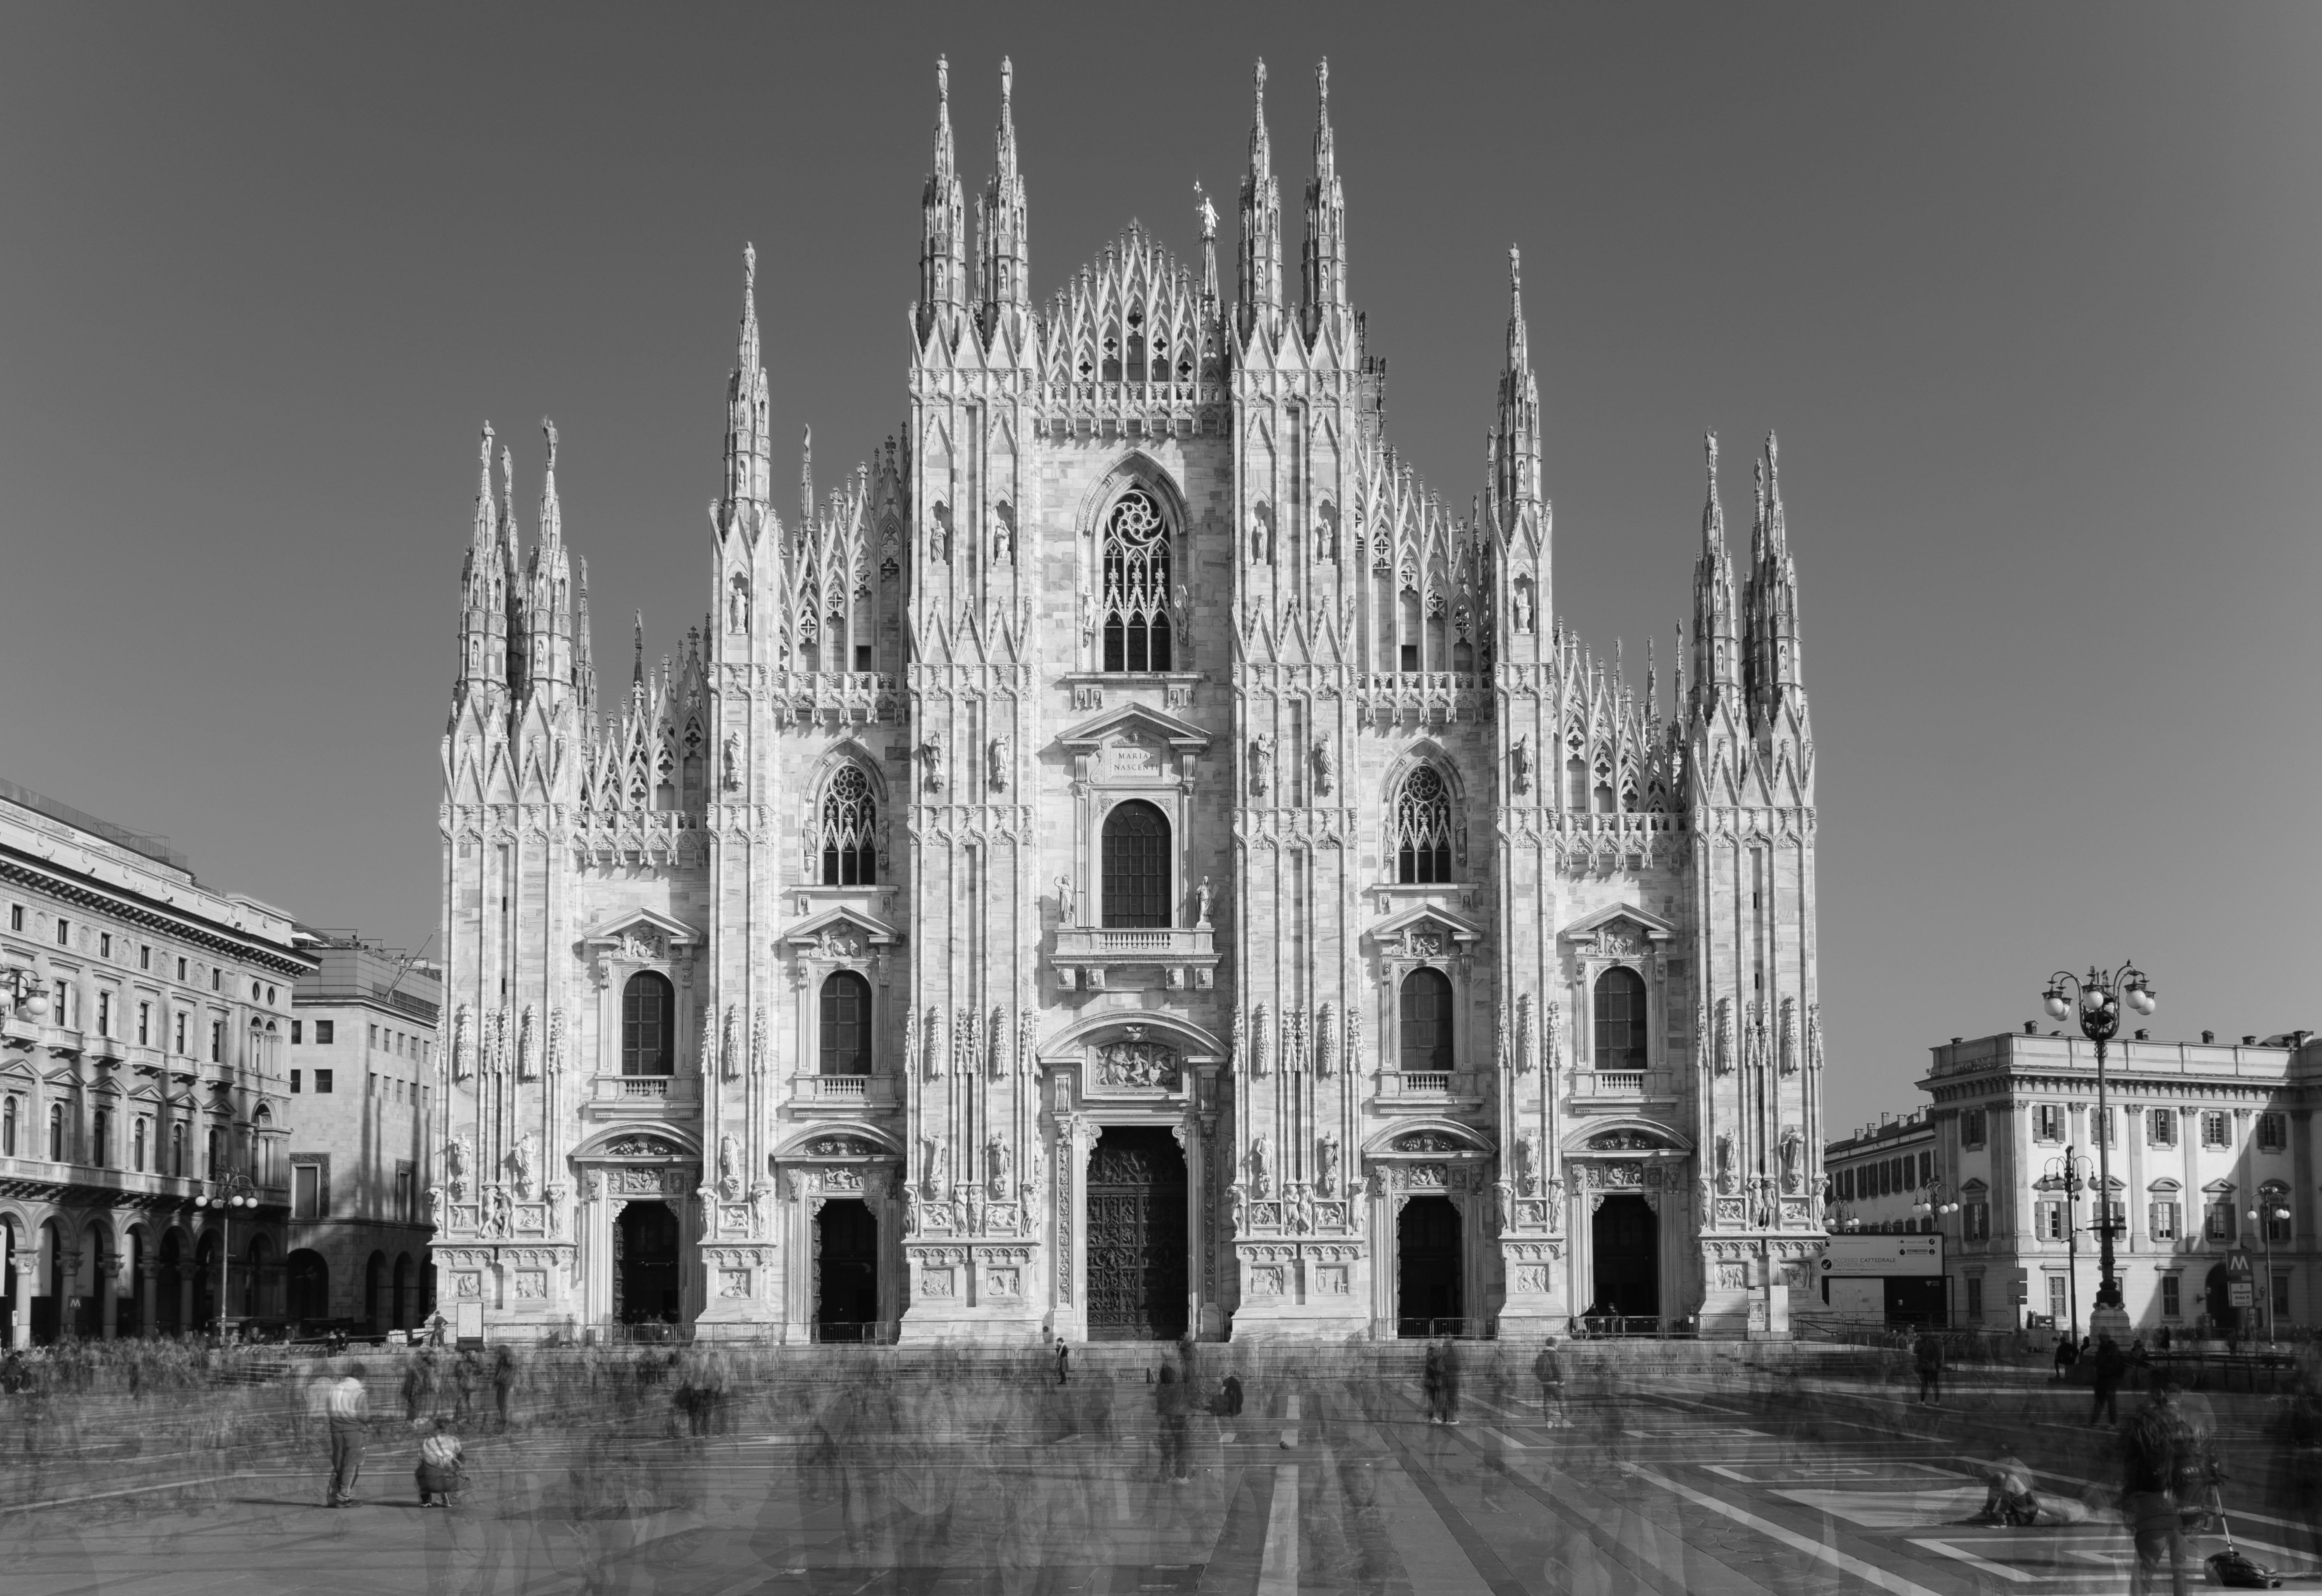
{"points": [[1883, 1254]]}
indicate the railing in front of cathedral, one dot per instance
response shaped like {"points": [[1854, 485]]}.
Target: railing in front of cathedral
{"points": [[1614, 1084], [1422, 1083], [836, 1088], [647, 1088], [1110, 942]]}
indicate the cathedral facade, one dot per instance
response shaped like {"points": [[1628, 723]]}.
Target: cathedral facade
{"points": [[1128, 861]]}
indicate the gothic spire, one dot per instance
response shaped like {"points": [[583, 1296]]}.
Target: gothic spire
{"points": [[584, 653], [749, 474], [1771, 610], [943, 211], [1716, 669], [806, 483], [1261, 226], [547, 615], [552, 513], [484, 596], [1325, 260], [1005, 269], [1515, 436], [510, 585], [637, 670]]}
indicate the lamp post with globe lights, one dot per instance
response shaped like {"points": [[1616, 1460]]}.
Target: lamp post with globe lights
{"points": [[2070, 1175], [2098, 995], [229, 1191], [2268, 1213]]}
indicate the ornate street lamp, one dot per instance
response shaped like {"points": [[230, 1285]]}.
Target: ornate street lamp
{"points": [[1934, 1200], [2070, 1175], [230, 1191], [2265, 1217], [2098, 996], [21, 982]]}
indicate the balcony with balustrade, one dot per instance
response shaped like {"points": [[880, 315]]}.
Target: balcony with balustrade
{"points": [[1623, 1086], [1089, 958], [1436, 1090], [842, 1095], [643, 1098]]}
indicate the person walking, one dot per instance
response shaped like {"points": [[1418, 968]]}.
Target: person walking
{"points": [[1430, 1382], [413, 1381], [1063, 1361], [1169, 1406], [2112, 1368], [1548, 1368], [349, 1411], [1928, 1351], [2068, 1353], [503, 1382], [2156, 1445]]}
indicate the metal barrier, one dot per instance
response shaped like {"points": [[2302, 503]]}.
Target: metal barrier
{"points": [[1454, 1329]]}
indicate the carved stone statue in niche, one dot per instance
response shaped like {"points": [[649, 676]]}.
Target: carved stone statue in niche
{"points": [[1203, 895], [1326, 767], [1326, 1167], [996, 757], [998, 1161], [931, 753], [1260, 1179], [1067, 902], [729, 1168], [1725, 1181], [1261, 764], [520, 1161], [1793, 1159], [1520, 763], [458, 1158], [1527, 1162], [733, 777]]}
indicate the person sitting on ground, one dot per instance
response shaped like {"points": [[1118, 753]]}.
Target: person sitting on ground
{"points": [[441, 1471], [2008, 1497]]}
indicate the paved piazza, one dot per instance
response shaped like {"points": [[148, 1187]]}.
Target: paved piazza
{"points": [[1691, 1470]]}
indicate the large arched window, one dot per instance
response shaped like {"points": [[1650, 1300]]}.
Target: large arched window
{"points": [[1137, 584], [846, 1024], [1619, 1019], [1422, 829], [648, 1025], [1136, 866], [1426, 1022], [850, 819]]}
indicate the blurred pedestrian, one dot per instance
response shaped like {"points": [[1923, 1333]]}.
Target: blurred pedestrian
{"points": [[503, 1382], [1430, 1382], [1928, 1353], [2111, 1369], [2068, 1353], [2155, 1446], [442, 1465], [1064, 1360], [349, 1408], [1450, 1381], [1169, 1406], [1548, 1368]]}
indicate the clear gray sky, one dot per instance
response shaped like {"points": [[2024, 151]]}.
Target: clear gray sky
{"points": [[2029, 292]]}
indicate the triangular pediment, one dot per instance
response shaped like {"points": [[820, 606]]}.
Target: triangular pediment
{"points": [[640, 923], [1421, 921], [1138, 720], [842, 924], [1619, 920]]}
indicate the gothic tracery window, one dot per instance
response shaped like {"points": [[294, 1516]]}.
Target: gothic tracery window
{"points": [[850, 817], [1137, 584], [1422, 835]]}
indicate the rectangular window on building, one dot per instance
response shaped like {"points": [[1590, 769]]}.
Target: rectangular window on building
{"points": [[217, 978], [2161, 1127], [402, 1189], [2277, 1231], [64, 932], [2221, 1220], [2047, 1122], [217, 1040], [2164, 1220], [181, 970], [293, 1080], [374, 1035], [2048, 1221], [322, 1081], [137, 1147], [1926, 1167], [2060, 1302], [2272, 1132], [2172, 1301], [2216, 1130], [104, 1013], [1972, 1127], [101, 1138], [145, 956], [181, 1033], [306, 1192], [2281, 1297], [105, 945], [1975, 1299], [1979, 1221], [325, 1031], [144, 1025], [16, 918], [298, 1031]]}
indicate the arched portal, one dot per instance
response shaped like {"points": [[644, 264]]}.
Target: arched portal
{"points": [[309, 1282], [644, 1265], [1625, 1239], [1137, 1255], [1427, 1264], [847, 1271]]}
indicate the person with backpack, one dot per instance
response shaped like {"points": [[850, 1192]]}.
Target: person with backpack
{"points": [[2157, 1447], [441, 1471], [1549, 1370]]}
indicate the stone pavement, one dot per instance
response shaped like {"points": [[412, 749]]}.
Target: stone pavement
{"points": [[1686, 1482]]}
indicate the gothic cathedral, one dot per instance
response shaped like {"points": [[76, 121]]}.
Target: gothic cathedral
{"points": [[1129, 861]]}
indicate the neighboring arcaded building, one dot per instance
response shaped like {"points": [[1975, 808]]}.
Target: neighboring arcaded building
{"points": [[1129, 860], [144, 1021], [362, 1069]]}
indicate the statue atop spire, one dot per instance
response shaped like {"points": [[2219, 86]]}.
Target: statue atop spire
{"points": [[1003, 268], [943, 221], [1325, 256]]}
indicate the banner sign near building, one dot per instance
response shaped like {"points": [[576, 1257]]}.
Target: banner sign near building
{"points": [[1856, 1255]]}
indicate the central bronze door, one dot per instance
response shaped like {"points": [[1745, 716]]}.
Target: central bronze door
{"points": [[1137, 1236]]}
